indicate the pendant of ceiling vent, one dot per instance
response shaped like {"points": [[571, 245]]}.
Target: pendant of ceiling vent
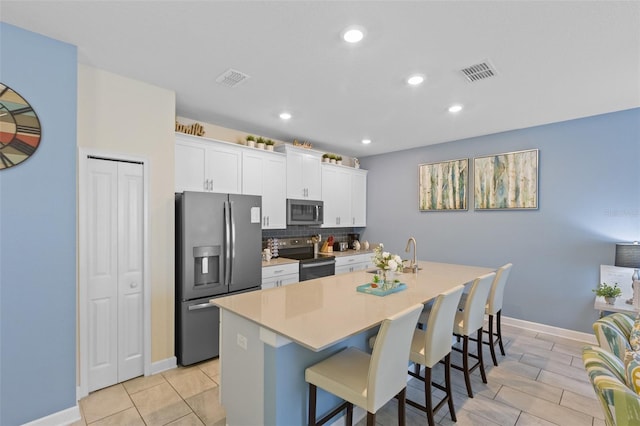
{"points": [[231, 78], [479, 71]]}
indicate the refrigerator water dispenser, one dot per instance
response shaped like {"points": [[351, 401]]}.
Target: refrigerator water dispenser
{"points": [[206, 265]]}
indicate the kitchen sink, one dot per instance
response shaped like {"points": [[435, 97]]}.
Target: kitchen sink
{"points": [[405, 270]]}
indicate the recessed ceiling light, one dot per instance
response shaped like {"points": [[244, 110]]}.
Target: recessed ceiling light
{"points": [[415, 79], [285, 115], [366, 141], [353, 34], [455, 108]]}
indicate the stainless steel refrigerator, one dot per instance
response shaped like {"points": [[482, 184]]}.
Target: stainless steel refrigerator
{"points": [[218, 253]]}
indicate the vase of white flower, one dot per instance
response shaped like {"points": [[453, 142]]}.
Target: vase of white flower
{"points": [[388, 264]]}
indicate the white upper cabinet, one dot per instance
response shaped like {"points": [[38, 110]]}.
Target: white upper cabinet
{"points": [[303, 173], [344, 193], [336, 195], [264, 173], [358, 197], [207, 165]]}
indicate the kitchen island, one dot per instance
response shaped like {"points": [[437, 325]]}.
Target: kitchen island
{"points": [[269, 337]]}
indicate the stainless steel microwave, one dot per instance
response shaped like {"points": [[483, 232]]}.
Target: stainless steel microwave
{"points": [[304, 212]]}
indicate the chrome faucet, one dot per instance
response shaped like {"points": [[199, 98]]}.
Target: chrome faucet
{"points": [[414, 261]]}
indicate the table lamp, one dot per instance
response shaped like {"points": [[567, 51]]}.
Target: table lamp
{"points": [[628, 256]]}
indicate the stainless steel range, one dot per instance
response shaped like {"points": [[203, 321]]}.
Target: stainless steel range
{"points": [[312, 265]]}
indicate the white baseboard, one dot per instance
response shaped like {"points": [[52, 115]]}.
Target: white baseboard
{"points": [[164, 365], [61, 418], [556, 331]]}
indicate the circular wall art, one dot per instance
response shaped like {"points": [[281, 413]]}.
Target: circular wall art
{"points": [[19, 128]]}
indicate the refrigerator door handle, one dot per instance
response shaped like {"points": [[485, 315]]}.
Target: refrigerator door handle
{"points": [[227, 243], [201, 306], [233, 241]]}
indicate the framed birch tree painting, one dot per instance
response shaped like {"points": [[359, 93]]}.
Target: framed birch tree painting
{"points": [[443, 186], [506, 181]]}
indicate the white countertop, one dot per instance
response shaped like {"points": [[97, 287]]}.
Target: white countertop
{"points": [[319, 313], [278, 261], [349, 252], [283, 260]]}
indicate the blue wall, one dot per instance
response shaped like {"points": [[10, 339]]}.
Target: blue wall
{"points": [[38, 235], [589, 198]]}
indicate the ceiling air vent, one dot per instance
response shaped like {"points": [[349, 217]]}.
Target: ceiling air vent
{"points": [[231, 78], [479, 71]]}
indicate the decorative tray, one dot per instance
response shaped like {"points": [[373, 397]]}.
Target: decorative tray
{"points": [[366, 288]]}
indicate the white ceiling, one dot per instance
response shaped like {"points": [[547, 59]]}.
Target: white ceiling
{"points": [[556, 60]]}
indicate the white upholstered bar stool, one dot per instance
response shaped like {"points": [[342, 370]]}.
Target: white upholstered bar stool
{"points": [[368, 381], [493, 309], [433, 344], [470, 319]]}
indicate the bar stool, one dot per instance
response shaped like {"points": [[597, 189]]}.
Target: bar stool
{"points": [[468, 320], [493, 309], [432, 345], [368, 381]]}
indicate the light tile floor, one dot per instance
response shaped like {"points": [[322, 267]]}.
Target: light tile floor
{"points": [[540, 382], [179, 397]]}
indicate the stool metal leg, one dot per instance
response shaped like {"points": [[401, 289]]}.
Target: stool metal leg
{"points": [[402, 396], [498, 329], [312, 404], [428, 400], [447, 381], [491, 342], [371, 419], [480, 361], [465, 364]]}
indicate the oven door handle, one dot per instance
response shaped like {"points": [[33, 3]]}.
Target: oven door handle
{"points": [[314, 264]]}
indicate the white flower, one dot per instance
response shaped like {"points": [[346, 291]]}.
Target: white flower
{"points": [[392, 265], [385, 260]]}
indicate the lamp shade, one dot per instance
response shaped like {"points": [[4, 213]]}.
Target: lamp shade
{"points": [[628, 255]]}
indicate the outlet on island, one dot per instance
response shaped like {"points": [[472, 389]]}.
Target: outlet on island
{"points": [[242, 341]]}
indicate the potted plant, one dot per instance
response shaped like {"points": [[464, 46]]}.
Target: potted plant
{"points": [[269, 144], [251, 141], [260, 142], [608, 292], [338, 159], [325, 157], [332, 159]]}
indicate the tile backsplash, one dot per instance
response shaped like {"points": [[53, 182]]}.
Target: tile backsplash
{"points": [[339, 234]]}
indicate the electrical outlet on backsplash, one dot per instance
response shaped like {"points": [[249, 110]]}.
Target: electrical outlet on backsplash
{"points": [[339, 234]]}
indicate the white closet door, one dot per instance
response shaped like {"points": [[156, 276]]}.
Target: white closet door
{"points": [[114, 272], [130, 262]]}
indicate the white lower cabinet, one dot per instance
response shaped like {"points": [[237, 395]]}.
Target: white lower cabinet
{"points": [[279, 275], [356, 262]]}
